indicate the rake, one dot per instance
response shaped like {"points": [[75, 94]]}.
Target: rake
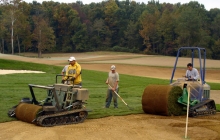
{"points": [[122, 99]]}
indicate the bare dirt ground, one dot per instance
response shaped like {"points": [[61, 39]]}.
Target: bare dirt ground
{"points": [[138, 127]]}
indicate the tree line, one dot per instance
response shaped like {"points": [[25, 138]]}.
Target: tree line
{"points": [[112, 25]]}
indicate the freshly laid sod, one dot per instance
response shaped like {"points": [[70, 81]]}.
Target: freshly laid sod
{"points": [[15, 86]]}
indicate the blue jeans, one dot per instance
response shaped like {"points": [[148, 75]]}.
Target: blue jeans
{"points": [[109, 96]]}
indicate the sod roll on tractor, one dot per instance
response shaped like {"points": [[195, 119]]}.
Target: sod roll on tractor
{"points": [[173, 99], [63, 104]]}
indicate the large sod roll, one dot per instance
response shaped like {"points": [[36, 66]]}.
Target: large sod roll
{"points": [[162, 100], [27, 112]]}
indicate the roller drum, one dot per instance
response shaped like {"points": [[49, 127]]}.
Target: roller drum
{"points": [[27, 112]]}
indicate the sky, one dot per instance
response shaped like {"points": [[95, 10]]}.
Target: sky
{"points": [[209, 4]]}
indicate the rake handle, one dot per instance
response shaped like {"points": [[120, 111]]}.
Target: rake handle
{"points": [[118, 95]]}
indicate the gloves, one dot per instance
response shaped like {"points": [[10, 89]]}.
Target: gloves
{"points": [[72, 78], [62, 81]]}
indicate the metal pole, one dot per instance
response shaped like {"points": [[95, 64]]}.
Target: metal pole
{"points": [[174, 68], [187, 116], [204, 70], [192, 57]]}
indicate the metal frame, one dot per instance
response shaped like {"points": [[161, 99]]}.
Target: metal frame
{"points": [[202, 67], [43, 87]]}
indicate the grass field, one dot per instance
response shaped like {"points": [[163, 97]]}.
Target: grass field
{"points": [[15, 86]]}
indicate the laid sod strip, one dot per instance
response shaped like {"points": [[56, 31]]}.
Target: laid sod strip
{"points": [[161, 100], [14, 87], [27, 112]]}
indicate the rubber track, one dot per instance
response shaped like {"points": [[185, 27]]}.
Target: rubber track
{"points": [[210, 111], [62, 114]]}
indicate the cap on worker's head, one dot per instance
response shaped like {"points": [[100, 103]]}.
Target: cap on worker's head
{"points": [[71, 58], [113, 67]]}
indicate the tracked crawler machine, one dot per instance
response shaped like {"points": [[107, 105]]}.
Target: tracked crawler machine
{"points": [[198, 91], [63, 104]]}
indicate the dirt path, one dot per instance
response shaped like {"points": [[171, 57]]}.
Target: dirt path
{"points": [[131, 64], [131, 127]]}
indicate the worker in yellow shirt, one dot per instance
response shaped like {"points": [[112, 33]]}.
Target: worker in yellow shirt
{"points": [[73, 72]]}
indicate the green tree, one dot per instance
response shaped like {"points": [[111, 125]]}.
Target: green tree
{"points": [[149, 29], [2, 29], [98, 33], [191, 23], [13, 12], [110, 9], [132, 40], [43, 35], [110, 20], [215, 27], [215, 30], [67, 24], [22, 28], [165, 27], [216, 49]]}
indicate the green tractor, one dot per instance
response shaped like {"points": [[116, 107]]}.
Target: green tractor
{"points": [[197, 90], [173, 99]]}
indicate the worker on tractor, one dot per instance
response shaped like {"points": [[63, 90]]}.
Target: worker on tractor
{"points": [[63, 72], [192, 73], [73, 73]]}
